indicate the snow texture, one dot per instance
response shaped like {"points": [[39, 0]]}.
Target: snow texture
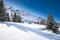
{"points": [[24, 31]]}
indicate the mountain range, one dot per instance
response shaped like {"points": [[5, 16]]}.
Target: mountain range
{"points": [[26, 16]]}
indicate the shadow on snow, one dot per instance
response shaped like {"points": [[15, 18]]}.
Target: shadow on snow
{"points": [[36, 31]]}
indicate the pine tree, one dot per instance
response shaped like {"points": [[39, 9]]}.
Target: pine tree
{"points": [[8, 18], [2, 11], [16, 18], [19, 18], [49, 22], [55, 28]]}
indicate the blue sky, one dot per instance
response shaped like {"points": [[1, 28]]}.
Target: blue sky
{"points": [[38, 7]]}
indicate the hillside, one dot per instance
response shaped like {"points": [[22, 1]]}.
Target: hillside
{"points": [[20, 31]]}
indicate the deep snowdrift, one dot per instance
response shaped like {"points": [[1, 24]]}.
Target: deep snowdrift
{"points": [[24, 31]]}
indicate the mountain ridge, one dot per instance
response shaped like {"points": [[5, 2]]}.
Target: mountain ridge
{"points": [[25, 15]]}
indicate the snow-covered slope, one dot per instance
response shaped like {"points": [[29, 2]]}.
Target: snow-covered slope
{"points": [[26, 16], [20, 31]]}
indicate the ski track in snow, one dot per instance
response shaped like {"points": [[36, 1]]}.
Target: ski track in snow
{"points": [[37, 31]]}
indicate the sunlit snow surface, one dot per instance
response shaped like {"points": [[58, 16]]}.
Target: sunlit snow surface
{"points": [[24, 31]]}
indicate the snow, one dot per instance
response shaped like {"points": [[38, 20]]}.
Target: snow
{"points": [[24, 31], [25, 15], [32, 25], [59, 28]]}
